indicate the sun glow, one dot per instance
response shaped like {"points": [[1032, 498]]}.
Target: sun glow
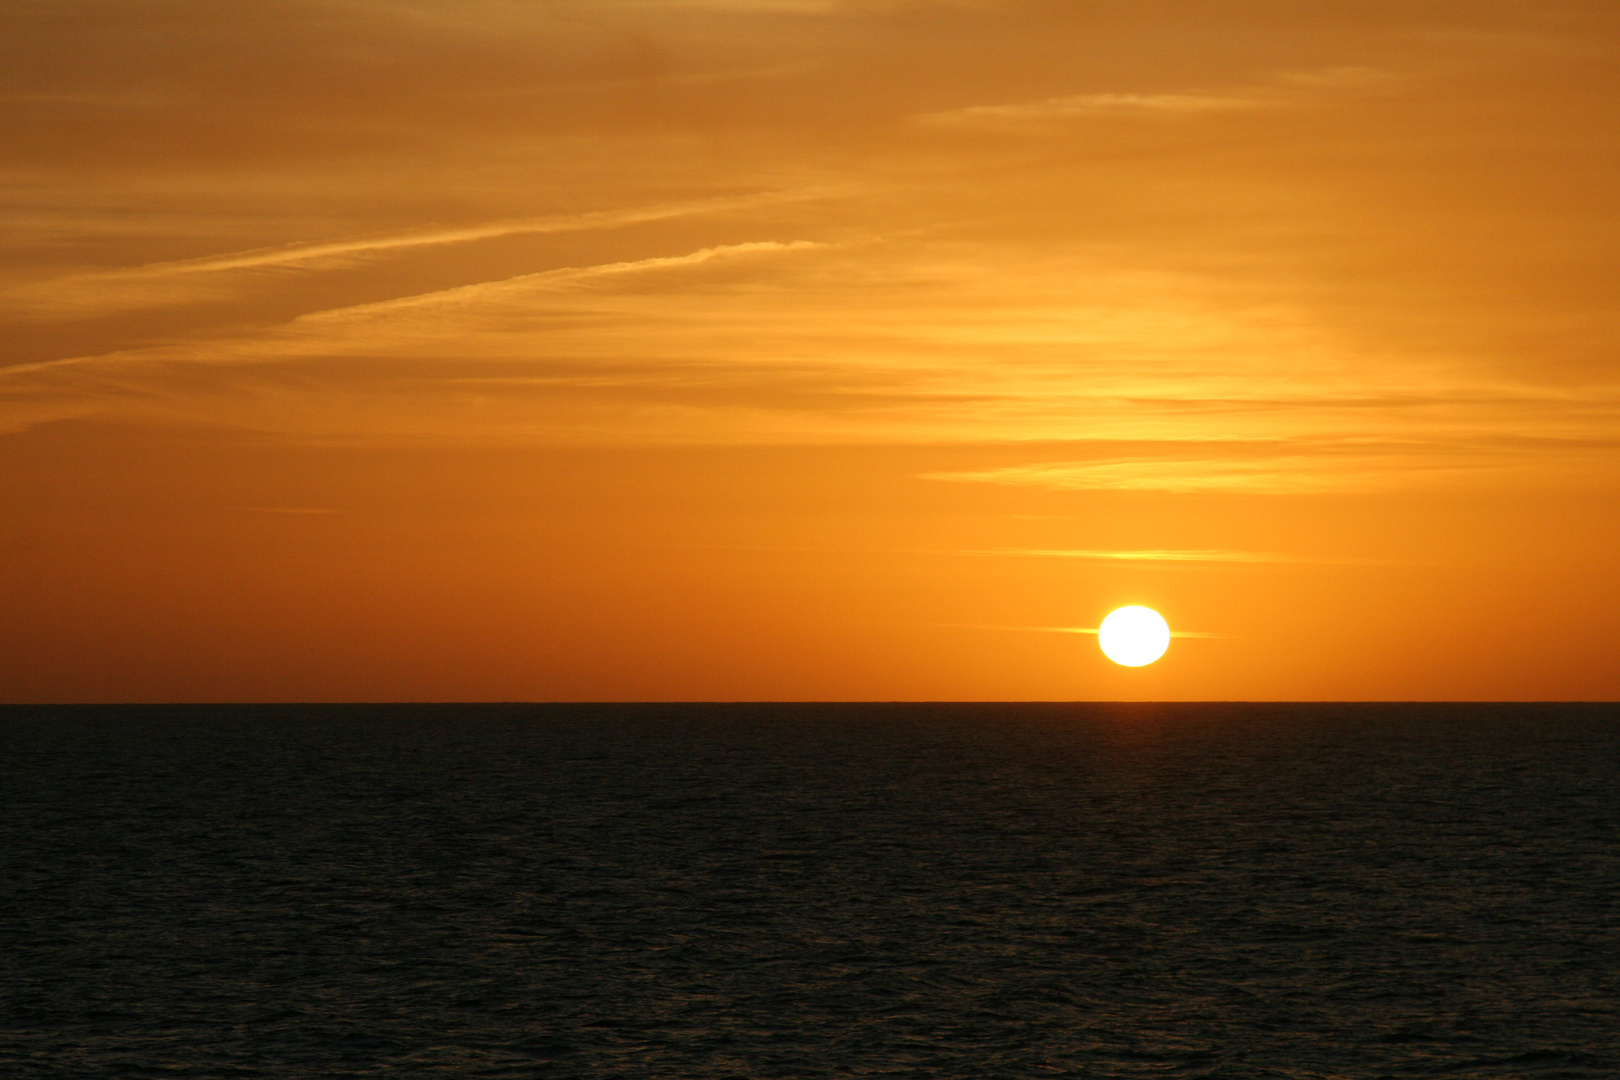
{"points": [[1133, 636]]}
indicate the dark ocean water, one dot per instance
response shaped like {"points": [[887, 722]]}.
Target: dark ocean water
{"points": [[806, 891]]}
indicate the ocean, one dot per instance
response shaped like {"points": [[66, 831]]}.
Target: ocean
{"points": [[740, 891]]}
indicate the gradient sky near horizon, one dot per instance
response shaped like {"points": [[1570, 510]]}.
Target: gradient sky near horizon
{"points": [[804, 349]]}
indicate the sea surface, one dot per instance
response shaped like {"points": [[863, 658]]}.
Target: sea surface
{"points": [[742, 891]]}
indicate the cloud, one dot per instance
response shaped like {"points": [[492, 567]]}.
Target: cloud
{"points": [[321, 252], [1342, 78], [1435, 464], [1288, 87], [903, 340], [1049, 110], [297, 336], [1057, 629], [156, 284], [484, 292], [1146, 555], [742, 7], [1372, 273], [395, 368]]}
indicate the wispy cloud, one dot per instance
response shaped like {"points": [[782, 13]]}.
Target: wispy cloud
{"points": [[1046, 110], [1058, 629], [391, 369], [161, 283], [1147, 555], [1288, 87], [552, 279], [801, 341], [307, 333], [296, 254], [1289, 474], [744, 7], [1342, 78], [681, 79]]}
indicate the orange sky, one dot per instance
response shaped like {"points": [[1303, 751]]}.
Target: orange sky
{"points": [[788, 349]]}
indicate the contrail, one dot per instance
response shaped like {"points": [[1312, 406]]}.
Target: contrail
{"points": [[594, 219], [559, 277], [421, 300]]}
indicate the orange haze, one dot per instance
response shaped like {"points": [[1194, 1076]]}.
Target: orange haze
{"points": [[761, 349]]}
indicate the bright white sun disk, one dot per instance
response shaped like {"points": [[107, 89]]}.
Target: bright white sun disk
{"points": [[1134, 636]]}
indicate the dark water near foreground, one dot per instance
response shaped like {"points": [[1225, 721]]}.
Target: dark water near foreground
{"points": [[809, 891]]}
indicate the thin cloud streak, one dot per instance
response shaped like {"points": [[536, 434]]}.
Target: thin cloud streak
{"points": [[1437, 464], [267, 348], [557, 278], [1289, 88], [1092, 630], [1082, 105], [1148, 555], [595, 219], [160, 284]]}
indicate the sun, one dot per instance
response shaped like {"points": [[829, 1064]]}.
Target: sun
{"points": [[1133, 636]]}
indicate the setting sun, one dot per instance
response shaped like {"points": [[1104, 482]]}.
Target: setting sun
{"points": [[1133, 636]]}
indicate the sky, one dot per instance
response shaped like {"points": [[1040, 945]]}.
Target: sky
{"points": [[802, 349]]}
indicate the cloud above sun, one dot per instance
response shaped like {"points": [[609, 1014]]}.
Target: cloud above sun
{"points": [[681, 222]]}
